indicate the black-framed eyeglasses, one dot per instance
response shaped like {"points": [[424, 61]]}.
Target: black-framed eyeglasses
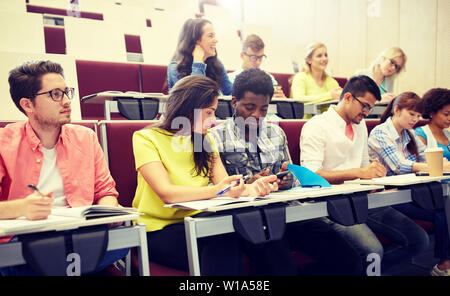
{"points": [[254, 58], [57, 94], [397, 66], [366, 108]]}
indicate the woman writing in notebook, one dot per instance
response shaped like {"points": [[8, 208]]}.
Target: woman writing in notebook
{"points": [[437, 109], [196, 55], [394, 144], [176, 160]]}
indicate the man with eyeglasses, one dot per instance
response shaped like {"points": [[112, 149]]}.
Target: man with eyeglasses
{"points": [[335, 146], [252, 56], [64, 161]]}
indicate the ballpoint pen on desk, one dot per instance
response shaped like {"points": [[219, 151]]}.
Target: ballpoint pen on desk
{"points": [[226, 189]]}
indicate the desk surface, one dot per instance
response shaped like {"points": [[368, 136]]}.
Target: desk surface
{"points": [[291, 195], [398, 180], [57, 223], [101, 97]]}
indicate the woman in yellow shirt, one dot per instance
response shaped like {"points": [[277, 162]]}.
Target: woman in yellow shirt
{"points": [[176, 160], [312, 83]]}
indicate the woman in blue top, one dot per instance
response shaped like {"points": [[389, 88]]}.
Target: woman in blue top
{"points": [[437, 109], [394, 144], [196, 55]]}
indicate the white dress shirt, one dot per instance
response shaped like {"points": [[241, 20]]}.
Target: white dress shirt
{"points": [[324, 145]]}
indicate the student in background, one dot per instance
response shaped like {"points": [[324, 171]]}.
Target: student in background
{"points": [[385, 69], [252, 56], [437, 109], [334, 145], [176, 160], [394, 144], [196, 54], [313, 83], [50, 153], [251, 146]]}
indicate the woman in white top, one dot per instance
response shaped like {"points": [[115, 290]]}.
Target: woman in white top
{"points": [[384, 70]]}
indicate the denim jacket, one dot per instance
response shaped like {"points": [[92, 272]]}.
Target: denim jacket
{"points": [[198, 69]]}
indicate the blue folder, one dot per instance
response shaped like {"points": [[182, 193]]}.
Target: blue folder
{"points": [[306, 177]]}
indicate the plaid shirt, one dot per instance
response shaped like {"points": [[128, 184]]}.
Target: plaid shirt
{"points": [[386, 147], [249, 158]]}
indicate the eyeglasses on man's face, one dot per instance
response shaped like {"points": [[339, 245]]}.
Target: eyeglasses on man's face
{"points": [[397, 66], [57, 94], [255, 58], [366, 108]]}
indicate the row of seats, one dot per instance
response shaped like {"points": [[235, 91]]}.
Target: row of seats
{"points": [[97, 76], [94, 77], [116, 140]]}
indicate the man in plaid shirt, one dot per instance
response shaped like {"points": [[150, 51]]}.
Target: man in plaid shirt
{"points": [[248, 145]]}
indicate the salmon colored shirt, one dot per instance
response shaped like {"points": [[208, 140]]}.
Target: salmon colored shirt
{"points": [[85, 174]]}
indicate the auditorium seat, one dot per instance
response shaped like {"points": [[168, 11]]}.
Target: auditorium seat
{"points": [[283, 80], [154, 79], [133, 43], [118, 148], [341, 81], [292, 129], [94, 77], [63, 12], [55, 40]]}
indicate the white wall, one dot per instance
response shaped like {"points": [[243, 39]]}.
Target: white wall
{"points": [[355, 31], [10, 60]]}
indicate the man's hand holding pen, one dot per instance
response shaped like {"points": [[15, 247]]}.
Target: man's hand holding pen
{"points": [[37, 205]]}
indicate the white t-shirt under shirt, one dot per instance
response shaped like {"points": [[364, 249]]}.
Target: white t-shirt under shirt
{"points": [[50, 178], [324, 145]]}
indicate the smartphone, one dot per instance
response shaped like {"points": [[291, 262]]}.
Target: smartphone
{"points": [[280, 175]]}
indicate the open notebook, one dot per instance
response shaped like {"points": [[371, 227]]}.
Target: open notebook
{"points": [[65, 216], [200, 205], [94, 211]]}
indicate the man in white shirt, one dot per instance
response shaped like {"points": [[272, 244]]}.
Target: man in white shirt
{"points": [[252, 56], [334, 145], [327, 150]]}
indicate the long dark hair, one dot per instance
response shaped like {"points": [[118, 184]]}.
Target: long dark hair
{"points": [[191, 33], [410, 101], [192, 93]]}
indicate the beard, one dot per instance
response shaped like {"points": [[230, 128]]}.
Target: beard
{"points": [[51, 123]]}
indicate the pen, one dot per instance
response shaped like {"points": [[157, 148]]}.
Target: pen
{"points": [[226, 189], [35, 189]]}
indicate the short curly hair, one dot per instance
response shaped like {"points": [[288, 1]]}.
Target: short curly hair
{"points": [[255, 80], [435, 99]]}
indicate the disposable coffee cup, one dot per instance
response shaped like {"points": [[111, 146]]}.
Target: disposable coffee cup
{"points": [[435, 161]]}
